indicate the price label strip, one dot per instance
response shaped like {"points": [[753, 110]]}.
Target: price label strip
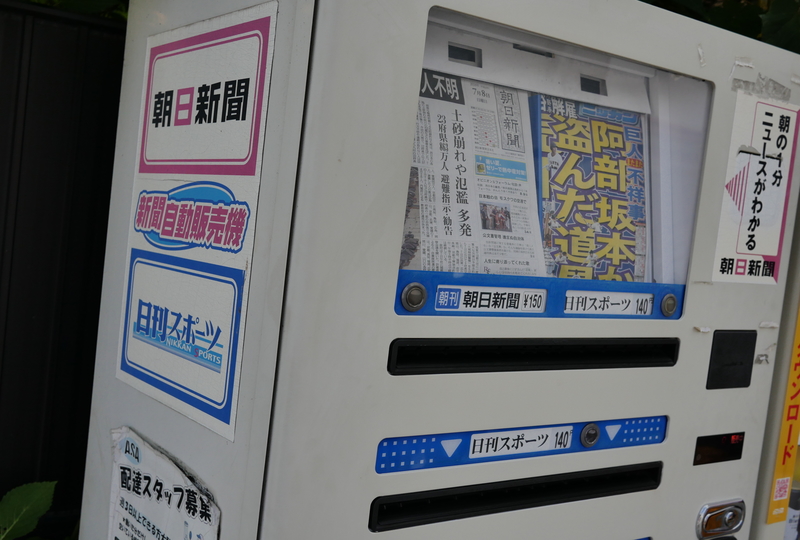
{"points": [[446, 450], [486, 295]]}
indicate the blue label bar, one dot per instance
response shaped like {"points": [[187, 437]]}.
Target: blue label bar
{"points": [[447, 450], [447, 294], [500, 168]]}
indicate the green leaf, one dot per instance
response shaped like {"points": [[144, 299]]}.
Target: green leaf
{"points": [[692, 5], [688, 8], [780, 23], [88, 6], [733, 15], [789, 36], [22, 507], [75, 531], [51, 3]]}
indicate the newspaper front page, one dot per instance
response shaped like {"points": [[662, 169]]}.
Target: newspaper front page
{"points": [[472, 201]]}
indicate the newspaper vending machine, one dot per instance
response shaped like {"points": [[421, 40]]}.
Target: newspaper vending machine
{"points": [[404, 270]]}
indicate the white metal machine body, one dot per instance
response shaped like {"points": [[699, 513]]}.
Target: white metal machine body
{"points": [[336, 368], [233, 471]]}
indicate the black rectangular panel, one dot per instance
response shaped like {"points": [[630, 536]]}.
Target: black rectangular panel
{"points": [[717, 448], [434, 355], [731, 364], [425, 507]]}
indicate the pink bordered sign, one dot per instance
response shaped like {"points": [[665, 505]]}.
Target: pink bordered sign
{"points": [[205, 94], [755, 199], [205, 99]]}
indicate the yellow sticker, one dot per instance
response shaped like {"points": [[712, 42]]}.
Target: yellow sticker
{"points": [[787, 444]]}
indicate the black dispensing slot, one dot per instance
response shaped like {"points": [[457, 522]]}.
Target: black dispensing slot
{"points": [[425, 507], [421, 356]]}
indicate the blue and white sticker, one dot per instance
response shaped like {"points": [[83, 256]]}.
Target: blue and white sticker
{"points": [[454, 294], [190, 337], [198, 214], [181, 330], [523, 441], [500, 168], [490, 299], [397, 454]]}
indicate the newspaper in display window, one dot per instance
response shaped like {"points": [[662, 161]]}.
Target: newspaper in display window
{"points": [[472, 202], [593, 190], [477, 205]]}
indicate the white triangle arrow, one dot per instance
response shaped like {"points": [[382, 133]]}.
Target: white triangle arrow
{"points": [[612, 431], [450, 446]]}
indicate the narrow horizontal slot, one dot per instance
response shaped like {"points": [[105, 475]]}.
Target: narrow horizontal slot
{"points": [[540, 52], [409, 356], [412, 509]]}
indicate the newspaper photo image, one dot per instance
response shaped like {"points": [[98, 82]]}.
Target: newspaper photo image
{"points": [[593, 189], [472, 201], [509, 182]]}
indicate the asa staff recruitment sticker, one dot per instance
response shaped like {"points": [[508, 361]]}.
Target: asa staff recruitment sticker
{"points": [[154, 498]]}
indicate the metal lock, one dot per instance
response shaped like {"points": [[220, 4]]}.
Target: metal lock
{"points": [[720, 519], [414, 296], [669, 304]]}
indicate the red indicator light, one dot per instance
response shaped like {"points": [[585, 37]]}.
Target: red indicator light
{"points": [[716, 448]]}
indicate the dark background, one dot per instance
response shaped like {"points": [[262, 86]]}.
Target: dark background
{"points": [[59, 98], [776, 22]]}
